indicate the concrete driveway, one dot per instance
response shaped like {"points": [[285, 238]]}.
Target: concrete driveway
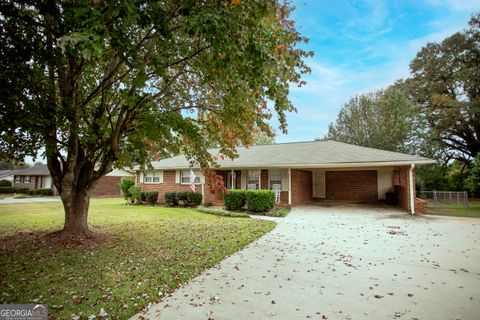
{"points": [[342, 263]]}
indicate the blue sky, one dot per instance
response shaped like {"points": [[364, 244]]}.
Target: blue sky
{"points": [[361, 46]]}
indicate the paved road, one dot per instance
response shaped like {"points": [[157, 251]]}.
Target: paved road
{"points": [[29, 200], [342, 263]]}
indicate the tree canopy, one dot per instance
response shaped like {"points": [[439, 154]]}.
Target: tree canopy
{"points": [[382, 119], [445, 83], [98, 84]]}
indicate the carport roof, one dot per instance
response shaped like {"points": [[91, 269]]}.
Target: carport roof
{"points": [[309, 154]]}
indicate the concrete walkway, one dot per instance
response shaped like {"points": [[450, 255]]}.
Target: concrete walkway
{"points": [[342, 263], [12, 200]]}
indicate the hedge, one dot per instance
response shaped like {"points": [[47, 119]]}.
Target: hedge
{"points": [[235, 199], [260, 200], [171, 199], [14, 190], [184, 198], [5, 183], [41, 192], [151, 197]]}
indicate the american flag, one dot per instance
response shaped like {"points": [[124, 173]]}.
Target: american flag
{"points": [[192, 180]]}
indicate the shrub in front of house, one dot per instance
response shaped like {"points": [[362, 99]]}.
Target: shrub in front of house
{"points": [[143, 196], [41, 192], [151, 197], [125, 185], [5, 183], [135, 194], [14, 190], [171, 199], [194, 199], [235, 199], [182, 198], [260, 200], [7, 190]]}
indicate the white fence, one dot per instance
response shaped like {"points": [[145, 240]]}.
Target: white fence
{"points": [[445, 198]]}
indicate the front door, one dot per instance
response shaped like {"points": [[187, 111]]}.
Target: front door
{"points": [[319, 184]]}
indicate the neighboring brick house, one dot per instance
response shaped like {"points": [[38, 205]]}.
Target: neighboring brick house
{"points": [[38, 176], [300, 172], [35, 177]]}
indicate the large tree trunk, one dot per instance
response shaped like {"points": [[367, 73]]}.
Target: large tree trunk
{"points": [[76, 205]]}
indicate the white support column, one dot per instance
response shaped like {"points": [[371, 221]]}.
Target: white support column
{"points": [[289, 186], [203, 193], [233, 179], [412, 190]]}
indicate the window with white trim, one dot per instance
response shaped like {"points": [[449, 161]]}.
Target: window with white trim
{"points": [[152, 177], [18, 179], [275, 179], [27, 179], [185, 176], [253, 181]]}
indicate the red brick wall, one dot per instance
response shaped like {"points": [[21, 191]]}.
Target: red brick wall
{"points": [[264, 179], [352, 186], [301, 186], [169, 185], [420, 205], [402, 190], [107, 186]]}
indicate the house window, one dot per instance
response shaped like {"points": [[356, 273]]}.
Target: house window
{"points": [[17, 179], [27, 179], [152, 177], [275, 179], [185, 176], [253, 180]]}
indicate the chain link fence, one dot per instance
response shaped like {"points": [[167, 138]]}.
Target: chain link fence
{"points": [[445, 198]]}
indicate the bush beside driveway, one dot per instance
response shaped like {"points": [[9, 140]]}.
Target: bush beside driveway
{"points": [[342, 263]]}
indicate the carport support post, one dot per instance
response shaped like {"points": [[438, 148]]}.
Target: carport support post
{"points": [[232, 178], [412, 192], [289, 186]]}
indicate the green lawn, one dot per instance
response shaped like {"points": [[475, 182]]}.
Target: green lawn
{"points": [[150, 251], [473, 210]]}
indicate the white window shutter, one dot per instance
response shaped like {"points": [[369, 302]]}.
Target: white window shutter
{"points": [[177, 176], [243, 180], [141, 178], [161, 176], [285, 180], [202, 177]]}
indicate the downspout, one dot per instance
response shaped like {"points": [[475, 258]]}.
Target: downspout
{"points": [[412, 192]]}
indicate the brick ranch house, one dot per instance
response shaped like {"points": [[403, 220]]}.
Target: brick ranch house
{"points": [[38, 176], [301, 172]]}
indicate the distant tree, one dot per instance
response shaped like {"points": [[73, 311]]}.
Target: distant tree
{"points": [[8, 164], [102, 83], [473, 180], [382, 119], [445, 83]]}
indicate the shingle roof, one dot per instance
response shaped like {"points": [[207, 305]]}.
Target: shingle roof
{"points": [[35, 170], [302, 154]]}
